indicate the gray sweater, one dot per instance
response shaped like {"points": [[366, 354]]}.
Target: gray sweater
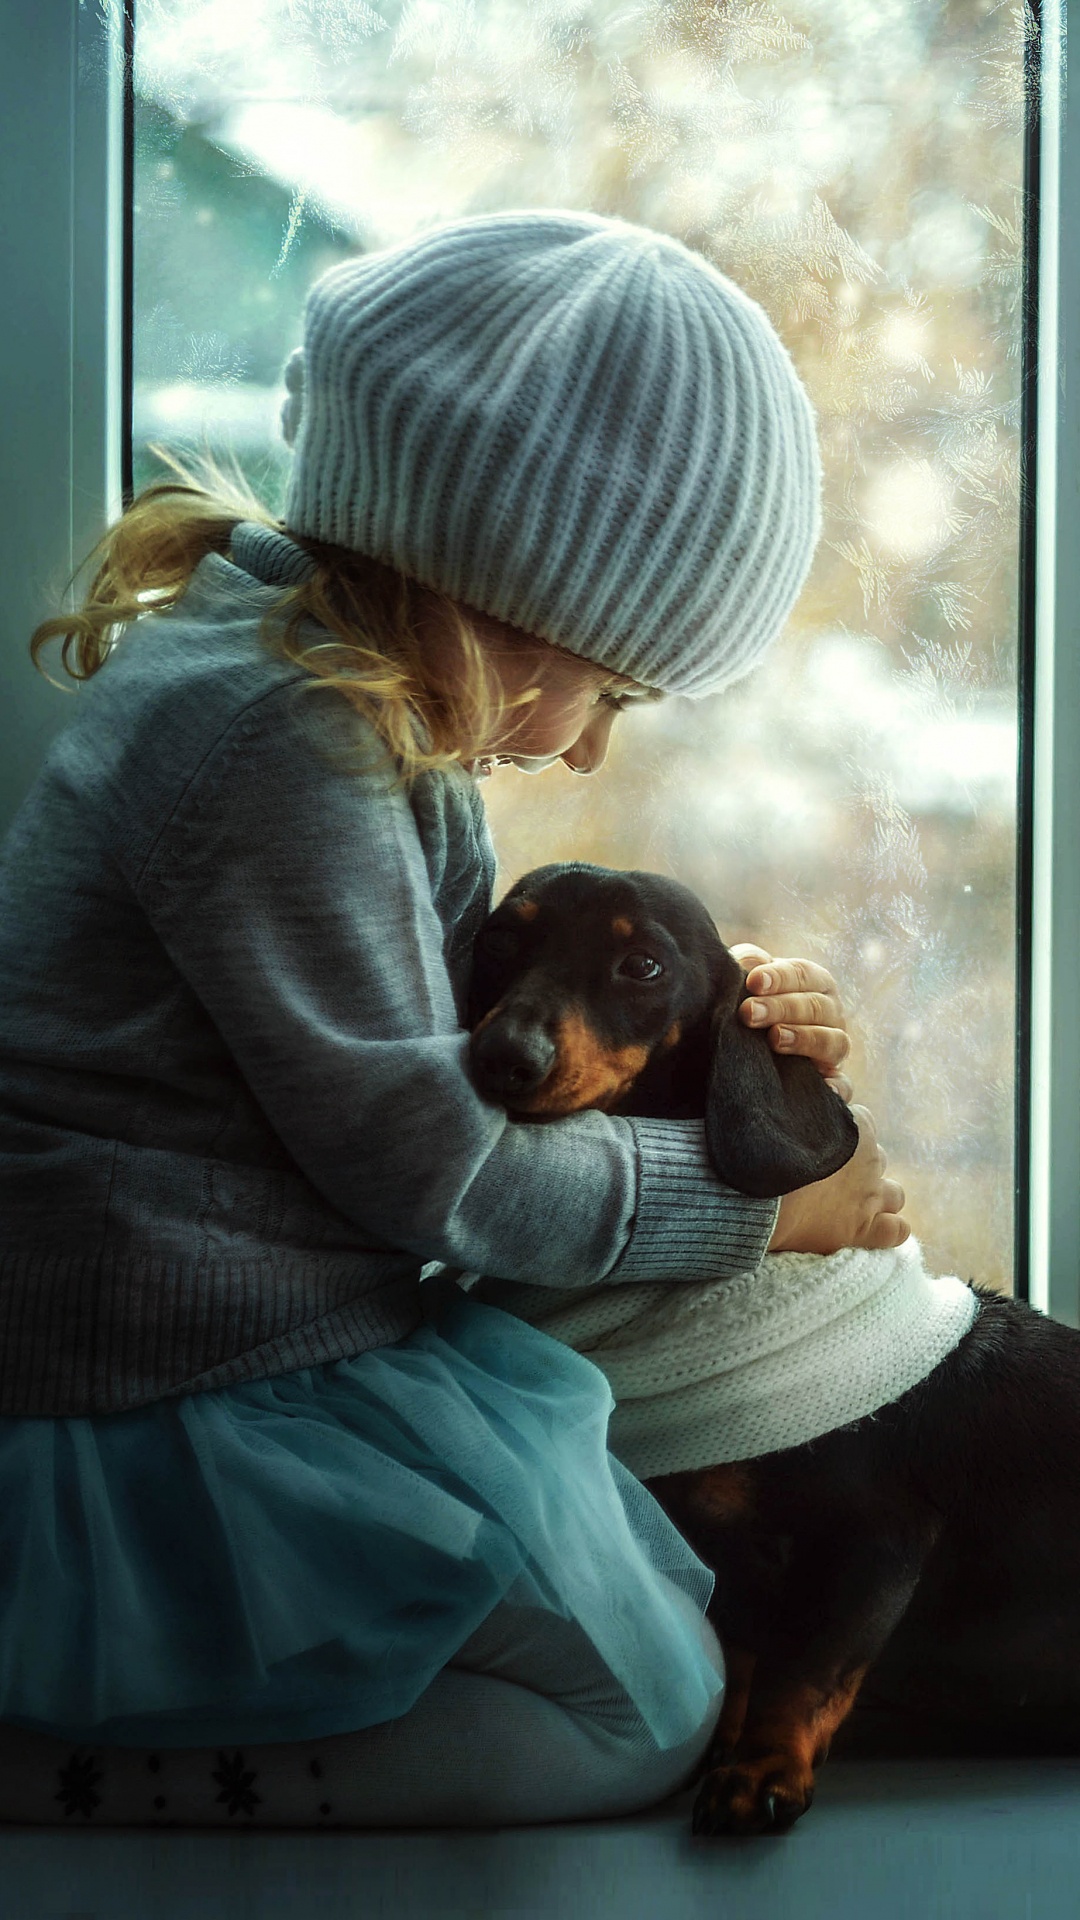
{"points": [[235, 1116]]}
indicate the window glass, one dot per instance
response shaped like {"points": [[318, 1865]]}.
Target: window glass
{"points": [[857, 166]]}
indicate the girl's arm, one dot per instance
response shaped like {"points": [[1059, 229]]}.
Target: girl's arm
{"points": [[296, 900]]}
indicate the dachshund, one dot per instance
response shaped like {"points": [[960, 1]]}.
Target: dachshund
{"points": [[924, 1560]]}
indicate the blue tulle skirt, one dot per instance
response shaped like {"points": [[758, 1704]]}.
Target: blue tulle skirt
{"points": [[297, 1557]]}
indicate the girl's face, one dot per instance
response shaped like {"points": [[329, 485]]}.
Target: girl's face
{"points": [[573, 714]]}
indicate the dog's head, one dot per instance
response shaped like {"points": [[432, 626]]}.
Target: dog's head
{"points": [[595, 988]]}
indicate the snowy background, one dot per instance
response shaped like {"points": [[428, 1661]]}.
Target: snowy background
{"points": [[857, 166]]}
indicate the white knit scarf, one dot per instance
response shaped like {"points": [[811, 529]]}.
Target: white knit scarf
{"points": [[732, 1369]]}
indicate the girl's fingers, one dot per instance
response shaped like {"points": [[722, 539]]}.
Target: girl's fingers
{"points": [[750, 956], [892, 1197], [789, 976], [887, 1230], [797, 1004], [827, 1047], [840, 1084], [793, 1010]]}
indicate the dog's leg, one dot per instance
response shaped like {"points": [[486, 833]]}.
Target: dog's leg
{"points": [[843, 1597], [740, 1673], [769, 1780]]}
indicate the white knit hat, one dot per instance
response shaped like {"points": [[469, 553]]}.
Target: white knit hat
{"points": [[570, 423]]}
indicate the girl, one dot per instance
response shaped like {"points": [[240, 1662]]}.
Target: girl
{"points": [[274, 1548]]}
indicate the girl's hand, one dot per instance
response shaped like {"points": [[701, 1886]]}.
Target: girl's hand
{"points": [[856, 1207], [798, 1003]]}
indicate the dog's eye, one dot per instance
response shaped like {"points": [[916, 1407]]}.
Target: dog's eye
{"points": [[499, 943], [639, 966]]}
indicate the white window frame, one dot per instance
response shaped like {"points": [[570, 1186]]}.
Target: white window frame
{"points": [[1054, 1166], [65, 381]]}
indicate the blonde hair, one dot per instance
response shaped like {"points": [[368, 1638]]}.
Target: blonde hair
{"points": [[375, 655]]}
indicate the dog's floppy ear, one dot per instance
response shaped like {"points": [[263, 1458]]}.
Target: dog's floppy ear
{"points": [[771, 1123]]}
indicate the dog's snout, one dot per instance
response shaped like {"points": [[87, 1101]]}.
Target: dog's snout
{"points": [[510, 1057]]}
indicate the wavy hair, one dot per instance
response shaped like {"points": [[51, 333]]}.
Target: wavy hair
{"points": [[356, 624]]}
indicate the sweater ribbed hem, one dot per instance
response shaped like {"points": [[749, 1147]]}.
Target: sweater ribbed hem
{"points": [[88, 1335], [688, 1225]]}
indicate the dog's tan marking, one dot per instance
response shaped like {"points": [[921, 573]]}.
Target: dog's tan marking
{"points": [[586, 1073], [800, 1725], [525, 909], [623, 929], [717, 1494], [765, 1778], [672, 1036]]}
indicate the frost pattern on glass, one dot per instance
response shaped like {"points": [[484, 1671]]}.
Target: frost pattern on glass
{"points": [[857, 166]]}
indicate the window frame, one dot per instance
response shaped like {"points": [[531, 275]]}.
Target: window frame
{"points": [[65, 385], [63, 84], [1052, 805]]}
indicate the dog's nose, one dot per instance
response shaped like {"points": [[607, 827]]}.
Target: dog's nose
{"points": [[509, 1057]]}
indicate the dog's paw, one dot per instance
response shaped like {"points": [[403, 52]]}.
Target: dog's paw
{"points": [[764, 1795]]}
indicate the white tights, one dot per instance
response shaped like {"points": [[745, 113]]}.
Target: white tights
{"points": [[525, 1725]]}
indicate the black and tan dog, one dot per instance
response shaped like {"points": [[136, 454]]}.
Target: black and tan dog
{"points": [[926, 1558]]}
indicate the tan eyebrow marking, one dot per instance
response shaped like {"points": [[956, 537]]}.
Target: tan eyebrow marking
{"points": [[624, 929], [525, 909]]}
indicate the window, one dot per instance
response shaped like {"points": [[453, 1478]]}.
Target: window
{"points": [[860, 168]]}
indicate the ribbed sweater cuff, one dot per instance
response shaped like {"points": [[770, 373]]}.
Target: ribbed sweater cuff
{"points": [[688, 1225]]}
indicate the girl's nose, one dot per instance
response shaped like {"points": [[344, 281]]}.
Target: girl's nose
{"points": [[589, 751]]}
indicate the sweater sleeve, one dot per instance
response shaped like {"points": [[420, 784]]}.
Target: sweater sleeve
{"points": [[293, 895]]}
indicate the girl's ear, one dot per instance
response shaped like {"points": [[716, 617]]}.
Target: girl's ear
{"points": [[771, 1123]]}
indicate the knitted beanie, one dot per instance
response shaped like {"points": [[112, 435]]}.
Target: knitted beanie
{"points": [[717, 1370], [570, 423]]}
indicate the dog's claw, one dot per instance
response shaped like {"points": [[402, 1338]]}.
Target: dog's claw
{"points": [[742, 1799]]}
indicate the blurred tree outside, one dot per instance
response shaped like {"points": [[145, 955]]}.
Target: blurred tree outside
{"points": [[856, 165]]}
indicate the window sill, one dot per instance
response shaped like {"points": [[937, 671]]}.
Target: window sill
{"points": [[901, 1839]]}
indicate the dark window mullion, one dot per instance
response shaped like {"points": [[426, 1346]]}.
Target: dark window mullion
{"points": [[127, 348], [1029, 336]]}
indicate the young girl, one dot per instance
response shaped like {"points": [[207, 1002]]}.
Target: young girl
{"points": [[275, 1548]]}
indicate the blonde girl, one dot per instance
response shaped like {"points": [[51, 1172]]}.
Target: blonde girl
{"points": [[276, 1548]]}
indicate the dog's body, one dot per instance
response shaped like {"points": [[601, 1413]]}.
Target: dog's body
{"points": [[929, 1549]]}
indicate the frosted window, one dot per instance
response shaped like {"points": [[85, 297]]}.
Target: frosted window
{"points": [[857, 165]]}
